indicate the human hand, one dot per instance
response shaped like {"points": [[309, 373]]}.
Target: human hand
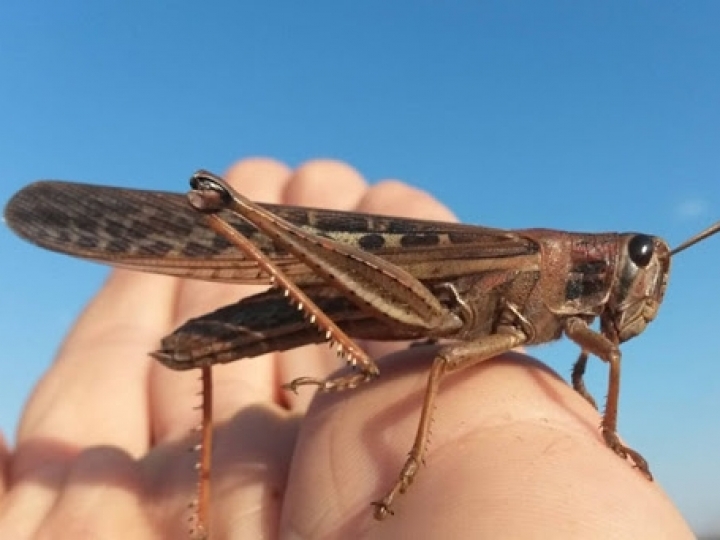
{"points": [[102, 445]]}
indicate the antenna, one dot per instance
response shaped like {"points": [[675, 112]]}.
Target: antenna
{"points": [[712, 229]]}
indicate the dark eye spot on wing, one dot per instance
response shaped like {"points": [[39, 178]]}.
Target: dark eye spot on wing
{"points": [[371, 242]]}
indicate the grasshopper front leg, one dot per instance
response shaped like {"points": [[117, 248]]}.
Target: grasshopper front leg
{"points": [[605, 349]]}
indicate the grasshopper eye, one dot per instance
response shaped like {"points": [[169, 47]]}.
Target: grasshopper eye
{"points": [[640, 249]]}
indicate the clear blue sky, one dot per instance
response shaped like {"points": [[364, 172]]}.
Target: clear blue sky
{"points": [[576, 115]]}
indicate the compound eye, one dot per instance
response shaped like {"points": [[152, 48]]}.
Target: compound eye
{"points": [[641, 248]]}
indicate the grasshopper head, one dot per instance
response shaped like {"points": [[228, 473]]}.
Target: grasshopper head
{"points": [[641, 279], [640, 282]]}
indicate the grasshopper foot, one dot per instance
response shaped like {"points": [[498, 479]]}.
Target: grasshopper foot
{"points": [[612, 440], [334, 384], [383, 507]]}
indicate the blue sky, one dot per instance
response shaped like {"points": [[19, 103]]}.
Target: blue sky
{"points": [[574, 115]]}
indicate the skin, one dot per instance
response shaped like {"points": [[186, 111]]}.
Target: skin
{"points": [[102, 448]]}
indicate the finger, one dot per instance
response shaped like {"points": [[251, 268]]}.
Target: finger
{"points": [[94, 393], [24, 507], [96, 390], [325, 183], [101, 496], [508, 437], [395, 198], [175, 394]]}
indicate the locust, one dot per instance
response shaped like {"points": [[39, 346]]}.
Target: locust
{"points": [[339, 277]]}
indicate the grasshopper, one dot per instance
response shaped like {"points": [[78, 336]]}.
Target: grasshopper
{"points": [[340, 276]]}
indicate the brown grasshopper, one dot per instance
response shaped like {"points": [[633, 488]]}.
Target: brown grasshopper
{"points": [[340, 276]]}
